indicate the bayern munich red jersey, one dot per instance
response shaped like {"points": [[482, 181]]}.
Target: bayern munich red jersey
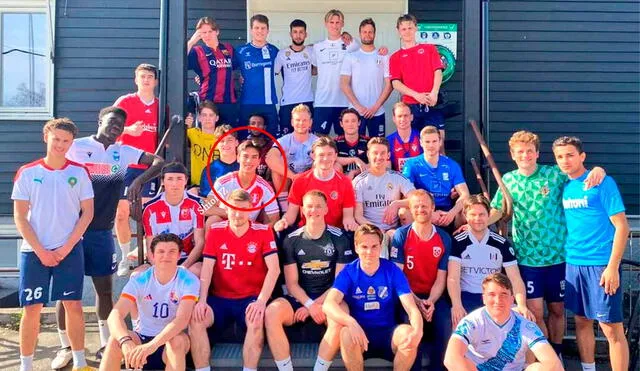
{"points": [[160, 217], [415, 67], [240, 268], [137, 110], [338, 189]]}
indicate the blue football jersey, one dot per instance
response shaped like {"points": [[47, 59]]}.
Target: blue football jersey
{"points": [[257, 67]]}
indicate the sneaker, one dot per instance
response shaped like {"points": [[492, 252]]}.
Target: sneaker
{"points": [[123, 267], [99, 353], [63, 357], [133, 255], [85, 368]]}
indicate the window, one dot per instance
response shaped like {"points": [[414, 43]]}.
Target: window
{"points": [[26, 67]]}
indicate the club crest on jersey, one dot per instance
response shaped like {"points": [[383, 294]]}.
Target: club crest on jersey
{"points": [[437, 251], [89, 154], [116, 156], [173, 297], [371, 293], [115, 169], [72, 181], [287, 54], [445, 176], [247, 65], [420, 51], [305, 55], [383, 292], [252, 247], [328, 250], [390, 186], [544, 190], [184, 212], [334, 195], [414, 147], [225, 52], [163, 213]]}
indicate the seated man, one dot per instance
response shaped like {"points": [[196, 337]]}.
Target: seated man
{"points": [[262, 142], [477, 253], [496, 338], [379, 192], [239, 272], [260, 192], [226, 163], [352, 146], [440, 176], [372, 289], [421, 250], [164, 296], [313, 256]]}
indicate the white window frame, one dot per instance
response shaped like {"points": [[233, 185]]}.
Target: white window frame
{"points": [[46, 7]]}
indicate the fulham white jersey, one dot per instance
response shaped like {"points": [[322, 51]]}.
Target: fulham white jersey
{"points": [[157, 304], [327, 57]]}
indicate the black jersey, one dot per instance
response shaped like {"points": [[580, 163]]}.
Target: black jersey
{"points": [[356, 149]]}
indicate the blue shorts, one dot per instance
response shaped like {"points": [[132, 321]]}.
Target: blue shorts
{"points": [[100, 257], [585, 297], [154, 361], [471, 301], [380, 339], [375, 126], [149, 189], [226, 312], [544, 282], [285, 117], [267, 110], [326, 117], [65, 279], [228, 114], [426, 116]]}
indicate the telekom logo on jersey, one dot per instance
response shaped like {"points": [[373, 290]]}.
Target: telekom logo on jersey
{"points": [[229, 260]]}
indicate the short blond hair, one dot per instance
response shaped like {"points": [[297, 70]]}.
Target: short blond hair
{"points": [[239, 195], [223, 129], [208, 21], [524, 137], [331, 13], [398, 105], [365, 229], [324, 141], [429, 129], [301, 108], [420, 193]]}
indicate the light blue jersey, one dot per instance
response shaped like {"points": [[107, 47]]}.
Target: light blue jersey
{"points": [[257, 67], [590, 232], [438, 181]]}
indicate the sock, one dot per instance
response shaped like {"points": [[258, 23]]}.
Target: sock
{"points": [[557, 348], [104, 332], [285, 364], [282, 201], [321, 364], [78, 358], [249, 369], [125, 248], [588, 366], [64, 339], [26, 363], [208, 368]]}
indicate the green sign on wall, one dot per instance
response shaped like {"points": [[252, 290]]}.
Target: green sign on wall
{"points": [[445, 37]]}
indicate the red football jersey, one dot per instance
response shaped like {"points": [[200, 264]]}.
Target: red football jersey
{"points": [[160, 217], [240, 268], [422, 259], [338, 189], [137, 110], [415, 68]]}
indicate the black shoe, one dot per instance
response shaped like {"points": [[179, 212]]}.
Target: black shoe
{"points": [[99, 353]]}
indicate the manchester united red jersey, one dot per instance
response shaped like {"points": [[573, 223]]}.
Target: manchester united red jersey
{"points": [[415, 67], [240, 268], [338, 189], [137, 110]]}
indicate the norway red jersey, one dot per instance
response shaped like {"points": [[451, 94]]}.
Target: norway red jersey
{"points": [[215, 69], [240, 268], [422, 259], [402, 151], [338, 189], [415, 67], [161, 217], [137, 110]]}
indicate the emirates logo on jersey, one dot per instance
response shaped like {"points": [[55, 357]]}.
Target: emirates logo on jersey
{"points": [[437, 251]]}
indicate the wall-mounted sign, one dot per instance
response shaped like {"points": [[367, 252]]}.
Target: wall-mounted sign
{"points": [[445, 37]]}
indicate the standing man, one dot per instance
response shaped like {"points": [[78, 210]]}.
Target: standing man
{"points": [[422, 250], [256, 61], [365, 81], [597, 235], [372, 288], [327, 56], [140, 131], [53, 206], [352, 146], [313, 257], [239, 272], [500, 338], [294, 65], [539, 230], [163, 297], [439, 175], [107, 162], [214, 63], [404, 143], [416, 73]]}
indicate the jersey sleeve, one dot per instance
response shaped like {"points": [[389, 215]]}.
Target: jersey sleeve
{"points": [[358, 188], [131, 290], [456, 251], [406, 171], [436, 62], [456, 172], [345, 252], [296, 192], [86, 187], [288, 255], [192, 134], [406, 185], [267, 196], [443, 264], [395, 72], [610, 196], [532, 334], [131, 155], [349, 196], [496, 202], [345, 70], [192, 60], [220, 189], [508, 254], [146, 221], [268, 243], [353, 45], [385, 65], [314, 55], [401, 284], [465, 330], [21, 187], [343, 282], [198, 218], [205, 186], [190, 288], [211, 245], [277, 64], [397, 246]]}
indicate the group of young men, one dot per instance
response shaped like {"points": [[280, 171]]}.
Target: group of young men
{"points": [[364, 227]]}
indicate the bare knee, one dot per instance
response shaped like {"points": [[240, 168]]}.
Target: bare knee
{"points": [[273, 314], [32, 310], [614, 332], [74, 306], [179, 344], [583, 322], [345, 338], [556, 310]]}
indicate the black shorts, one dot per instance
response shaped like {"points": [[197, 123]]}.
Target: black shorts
{"points": [[154, 361], [149, 189]]}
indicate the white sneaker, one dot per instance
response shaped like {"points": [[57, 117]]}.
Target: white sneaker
{"points": [[62, 359], [123, 267]]}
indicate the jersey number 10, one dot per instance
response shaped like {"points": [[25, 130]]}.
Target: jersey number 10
{"points": [[160, 310]]}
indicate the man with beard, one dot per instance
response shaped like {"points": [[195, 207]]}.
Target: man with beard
{"points": [[294, 65], [365, 81]]}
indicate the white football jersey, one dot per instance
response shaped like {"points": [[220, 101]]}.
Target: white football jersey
{"points": [[327, 57], [295, 69]]}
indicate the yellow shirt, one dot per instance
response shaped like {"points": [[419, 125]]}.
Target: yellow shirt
{"points": [[201, 144]]}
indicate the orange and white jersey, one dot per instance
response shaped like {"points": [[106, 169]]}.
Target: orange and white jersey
{"points": [[157, 304], [260, 191]]}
